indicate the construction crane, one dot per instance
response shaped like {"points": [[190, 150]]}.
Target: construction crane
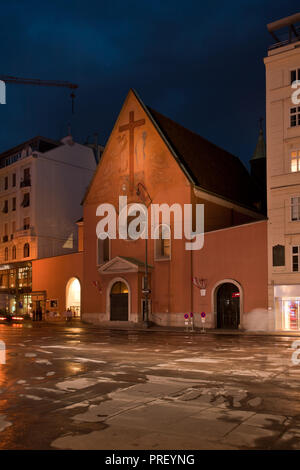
{"points": [[35, 81]]}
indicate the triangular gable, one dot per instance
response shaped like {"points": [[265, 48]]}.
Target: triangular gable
{"points": [[156, 126], [120, 264], [205, 165]]}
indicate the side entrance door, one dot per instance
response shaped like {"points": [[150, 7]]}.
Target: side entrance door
{"points": [[228, 306]]}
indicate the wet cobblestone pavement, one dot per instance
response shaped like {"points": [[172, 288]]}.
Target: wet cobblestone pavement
{"points": [[81, 387]]}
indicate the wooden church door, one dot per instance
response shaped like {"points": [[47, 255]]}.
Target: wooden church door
{"points": [[119, 302]]}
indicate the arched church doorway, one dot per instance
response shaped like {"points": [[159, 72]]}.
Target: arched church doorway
{"points": [[228, 306], [73, 296], [119, 302]]}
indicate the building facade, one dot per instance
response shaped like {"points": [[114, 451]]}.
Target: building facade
{"points": [[283, 174], [151, 159], [42, 183]]}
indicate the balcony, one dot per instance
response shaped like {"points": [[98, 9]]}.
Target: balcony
{"points": [[27, 232], [25, 183]]}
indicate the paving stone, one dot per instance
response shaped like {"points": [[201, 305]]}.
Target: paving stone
{"points": [[134, 439], [224, 414], [255, 402], [191, 395], [155, 416], [3, 423], [250, 436], [236, 403], [290, 439], [266, 420], [98, 413]]}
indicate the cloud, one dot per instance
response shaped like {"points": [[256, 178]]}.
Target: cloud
{"points": [[199, 63]]}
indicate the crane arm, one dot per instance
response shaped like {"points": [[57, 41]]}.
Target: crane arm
{"points": [[35, 81]]}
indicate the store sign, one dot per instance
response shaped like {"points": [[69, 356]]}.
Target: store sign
{"points": [[2, 92], [2, 352], [4, 266], [295, 355]]}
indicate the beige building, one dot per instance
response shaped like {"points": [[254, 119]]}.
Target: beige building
{"points": [[42, 183], [283, 173]]}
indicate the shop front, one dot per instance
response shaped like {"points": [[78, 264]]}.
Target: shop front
{"points": [[287, 307], [16, 289]]}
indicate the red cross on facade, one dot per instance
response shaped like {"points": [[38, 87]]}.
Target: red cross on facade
{"points": [[130, 127]]}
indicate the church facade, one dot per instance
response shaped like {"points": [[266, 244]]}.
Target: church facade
{"points": [[150, 159]]}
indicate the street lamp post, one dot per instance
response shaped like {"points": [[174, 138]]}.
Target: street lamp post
{"points": [[141, 192], [146, 289]]}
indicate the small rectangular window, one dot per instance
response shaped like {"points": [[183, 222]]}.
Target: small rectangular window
{"points": [[5, 207], [295, 208], [295, 75], [295, 116], [6, 182], [278, 255], [26, 200], [14, 179], [102, 251], [14, 202], [295, 258], [295, 161], [26, 223], [163, 243]]}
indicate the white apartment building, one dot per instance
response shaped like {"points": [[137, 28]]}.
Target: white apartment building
{"points": [[42, 183], [283, 173]]}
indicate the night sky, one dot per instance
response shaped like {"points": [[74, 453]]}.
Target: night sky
{"points": [[200, 63]]}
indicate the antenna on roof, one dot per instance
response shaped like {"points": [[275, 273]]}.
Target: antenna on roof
{"points": [[261, 119]]}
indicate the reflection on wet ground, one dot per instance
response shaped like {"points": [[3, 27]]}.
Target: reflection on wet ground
{"points": [[81, 387]]}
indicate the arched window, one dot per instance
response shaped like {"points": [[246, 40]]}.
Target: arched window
{"points": [[102, 251], [119, 287], [26, 250], [14, 252], [163, 242], [6, 254]]}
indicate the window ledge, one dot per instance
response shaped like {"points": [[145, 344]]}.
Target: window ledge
{"points": [[163, 258]]}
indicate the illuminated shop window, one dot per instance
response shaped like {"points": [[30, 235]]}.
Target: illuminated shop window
{"points": [[12, 278], [291, 312], [24, 276]]}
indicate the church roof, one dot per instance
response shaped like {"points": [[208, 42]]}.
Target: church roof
{"points": [[210, 167], [260, 149], [206, 165]]}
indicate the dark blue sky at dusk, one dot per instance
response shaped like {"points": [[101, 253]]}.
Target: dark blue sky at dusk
{"points": [[200, 63]]}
